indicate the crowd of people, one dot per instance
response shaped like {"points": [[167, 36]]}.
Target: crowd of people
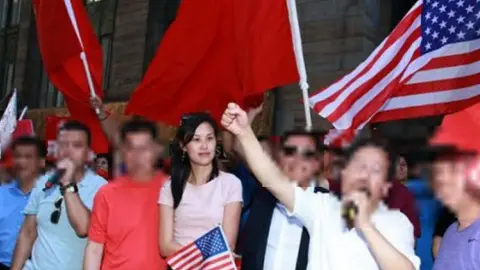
{"points": [[281, 203]]}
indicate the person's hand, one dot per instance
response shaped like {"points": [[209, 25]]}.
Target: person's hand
{"points": [[254, 112], [68, 167], [235, 120], [361, 200], [97, 105]]}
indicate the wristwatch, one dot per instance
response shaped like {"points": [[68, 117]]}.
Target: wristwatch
{"points": [[70, 188]]}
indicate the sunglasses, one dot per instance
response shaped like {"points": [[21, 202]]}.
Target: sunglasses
{"points": [[55, 216], [293, 150]]}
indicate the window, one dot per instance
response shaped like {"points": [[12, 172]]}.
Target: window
{"points": [[10, 13]]}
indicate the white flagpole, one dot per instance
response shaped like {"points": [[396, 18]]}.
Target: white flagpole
{"points": [[297, 48], [24, 111], [83, 56]]}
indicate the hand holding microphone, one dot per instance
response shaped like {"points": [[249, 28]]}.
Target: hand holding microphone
{"points": [[62, 175], [355, 208]]}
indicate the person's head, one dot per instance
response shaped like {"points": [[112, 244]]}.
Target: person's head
{"points": [[368, 166], [102, 164], [401, 169], [28, 157], [450, 178], [139, 147], [299, 156], [194, 145], [73, 142]]}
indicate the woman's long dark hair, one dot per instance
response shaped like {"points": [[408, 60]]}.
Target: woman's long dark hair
{"points": [[180, 166]]}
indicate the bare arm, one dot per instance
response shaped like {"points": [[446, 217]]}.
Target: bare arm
{"points": [[386, 255], [266, 170], [93, 256], [168, 246], [437, 240], [78, 214], [231, 221], [110, 125], [25, 241]]}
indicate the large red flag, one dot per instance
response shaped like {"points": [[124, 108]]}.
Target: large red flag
{"points": [[215, 52], [64, 33]]}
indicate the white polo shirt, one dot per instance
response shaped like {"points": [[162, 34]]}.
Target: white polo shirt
{"points": [[334, 247]]}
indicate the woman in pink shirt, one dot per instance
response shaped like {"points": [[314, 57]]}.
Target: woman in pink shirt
{"points": [[198, 196]]}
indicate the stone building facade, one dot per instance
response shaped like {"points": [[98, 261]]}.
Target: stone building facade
{"points": [[337, 36]]}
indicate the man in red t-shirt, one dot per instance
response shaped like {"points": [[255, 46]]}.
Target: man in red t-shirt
{"points": [[124, 224]]}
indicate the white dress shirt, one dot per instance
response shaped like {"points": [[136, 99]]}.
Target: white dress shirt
{"points": [[334, 247], [283, 240]]}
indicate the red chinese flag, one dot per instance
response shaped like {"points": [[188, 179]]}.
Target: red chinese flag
{"points": [[61, 49], [216, 52]]}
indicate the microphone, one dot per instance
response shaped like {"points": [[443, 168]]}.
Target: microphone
{"points": [[350, 210], [54, 179]]}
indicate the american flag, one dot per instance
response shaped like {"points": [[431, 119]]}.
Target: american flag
{"points": [[209, 252], [428, 65]]}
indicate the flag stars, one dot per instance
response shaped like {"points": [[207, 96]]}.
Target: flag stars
{"points": [[469, 9], [435, 4], [444, 40], [428, 16], [461, 19], [470, 25], [435, 35], [451, 14], [443, 24], [461, 35], [428, 46], [460, 3], [435, 19], [452, 29], [478, 31], [428, 30], [443, 9], [478, 15]]}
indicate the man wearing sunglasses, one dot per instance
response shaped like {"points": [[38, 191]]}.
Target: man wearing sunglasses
{"points": [[379, 239], [53, 236], [274, 240]]}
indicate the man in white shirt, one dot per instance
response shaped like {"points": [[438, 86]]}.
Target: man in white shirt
{"points": [[381, 238], [272, 239]]}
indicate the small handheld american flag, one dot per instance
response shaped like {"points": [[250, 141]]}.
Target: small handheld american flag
{"points": [[209, 252]]}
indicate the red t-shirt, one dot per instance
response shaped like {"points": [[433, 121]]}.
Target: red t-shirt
{"points": [[125, 218]]}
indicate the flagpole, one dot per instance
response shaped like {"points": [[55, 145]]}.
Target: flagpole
{"points": [[24, 111], [228, 247], [83, 56], [297, 48]]}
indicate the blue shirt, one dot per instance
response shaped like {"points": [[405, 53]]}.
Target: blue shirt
{"points": [[57, 246], [12, 203]]}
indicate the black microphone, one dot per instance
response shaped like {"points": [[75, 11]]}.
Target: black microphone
{"points": [[350, 210], [54, 178]]}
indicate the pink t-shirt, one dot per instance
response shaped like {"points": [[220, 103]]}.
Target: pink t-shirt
{"points": [[201, 207]]}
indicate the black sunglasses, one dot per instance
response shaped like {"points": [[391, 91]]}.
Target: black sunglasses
{"points": [[293, 150], [55, 216]]}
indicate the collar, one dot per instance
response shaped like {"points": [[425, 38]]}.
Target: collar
{"points": [[88, 178], [15, 187]]}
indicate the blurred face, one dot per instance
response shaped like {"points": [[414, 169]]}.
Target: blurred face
{"points": [[367, 169], [299, 159], [73, 144], [101, 163], [26, 162], [139, 152], [450, 182], [401, 172], [201, 149]]}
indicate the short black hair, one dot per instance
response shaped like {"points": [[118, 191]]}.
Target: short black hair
{"points": [[73, 125], [138, 125], [315, 136], [31, 141], [376, 143]]}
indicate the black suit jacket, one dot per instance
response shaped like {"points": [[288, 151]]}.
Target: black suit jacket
{"points": [[257, 228]]}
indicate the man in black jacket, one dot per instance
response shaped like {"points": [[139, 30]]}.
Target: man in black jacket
{"points": [[271, 238]]}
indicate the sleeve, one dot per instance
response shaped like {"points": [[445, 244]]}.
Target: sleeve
{"points": [[308, 206], [98, 220], [233, 191], [35, 197], [446, 219], [88, 202], [401, 236], [166, 197]]}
